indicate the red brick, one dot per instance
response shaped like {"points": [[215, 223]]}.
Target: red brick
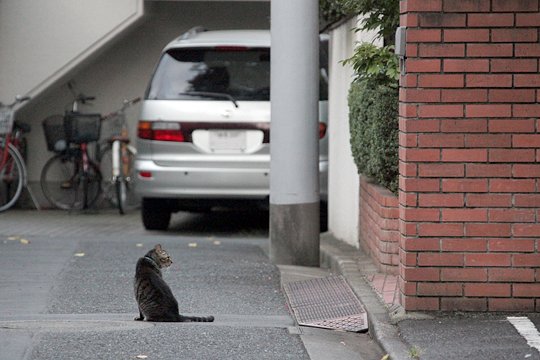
{"points": [[464, 95], [514, 35], [408, 110], [408, 80], [490, 50], [407, 229], [530, 141], [463, 304], [421, 214], [411, 303], [511, 155], [521, 305], [512, 185], [419, 274], [492, 260], [440, 229], [441, 200], [511, 245], [529, 80], [466, 65], [464, 126], [512, 215], [440, 259], [532, 19], [527, 50], [440, 111], [526, 260], [464, 155], [423, 65], [488, 290], [441, 50], [424, 35], [511, 275], [527, 230], [421, 185], [441, 170], [489, 81], [490, 20], [489, 200], [440, 140], [488, 170], [411, 51], [466, 35], [409, 20], [424, 6], [488, 140], [526, 290], [441, 81], [465, 185], [419, 125], [480, 111], [467, 6], [440, 289], [463, 274], [528, 200], [515, 96], [421, 244], [526, 171], [443, 20], [529, 110], [512, 125], [468, 215], [408, 169], [514, 65], [464, 245], [514, 5], [491, 229], [421, 155]]}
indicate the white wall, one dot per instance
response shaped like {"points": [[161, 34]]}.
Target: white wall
{"points": [[124, 68], [42, 40], [343, 180]]}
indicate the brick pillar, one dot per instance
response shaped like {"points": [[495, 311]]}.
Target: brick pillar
{"points": [[469, 156]]}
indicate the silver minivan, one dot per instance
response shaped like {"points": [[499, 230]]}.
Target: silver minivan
{"points": [[203, 138]]}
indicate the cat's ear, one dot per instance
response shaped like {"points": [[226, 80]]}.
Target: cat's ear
{"points": [[158, 247]]}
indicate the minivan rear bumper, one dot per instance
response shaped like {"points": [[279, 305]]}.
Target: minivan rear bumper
{"points": [[157, 181]]}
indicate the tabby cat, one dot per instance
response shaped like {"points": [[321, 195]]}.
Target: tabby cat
{"points": [[154, 297]]}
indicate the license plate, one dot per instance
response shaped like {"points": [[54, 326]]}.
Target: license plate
{"points": [[227, 140]]}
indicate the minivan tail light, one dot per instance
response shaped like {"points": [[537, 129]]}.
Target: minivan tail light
{"points": [[160, 131], [322, 130]]}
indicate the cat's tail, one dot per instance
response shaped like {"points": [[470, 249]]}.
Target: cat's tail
{"points": [[196, 318]]}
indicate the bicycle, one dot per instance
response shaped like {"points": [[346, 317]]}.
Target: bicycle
{"points": [[13, 174], [71, 180], [117, 161]]}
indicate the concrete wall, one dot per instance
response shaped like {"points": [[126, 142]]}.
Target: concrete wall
{"points": [[124, 68], [343, 187], [42, 40]]}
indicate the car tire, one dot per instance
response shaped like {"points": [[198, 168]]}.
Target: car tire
{"points": [[156, 215]]}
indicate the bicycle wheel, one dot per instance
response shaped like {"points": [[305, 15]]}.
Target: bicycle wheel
{"points": [[11, 179], [119, 191], [63, 183]]}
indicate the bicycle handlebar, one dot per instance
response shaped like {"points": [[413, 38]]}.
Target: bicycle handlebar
{"points": [[126, 104]]}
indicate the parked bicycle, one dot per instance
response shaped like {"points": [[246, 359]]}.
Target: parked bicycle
{"points": [[71, 180], [117, 158]]}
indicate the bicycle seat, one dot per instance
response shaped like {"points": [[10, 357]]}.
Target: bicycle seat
{"points": [[25, 128], [119, 138]]}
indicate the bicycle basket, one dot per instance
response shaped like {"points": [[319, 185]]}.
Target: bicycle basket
{"points": [[53, 127], [6, 120], [82, 128]]}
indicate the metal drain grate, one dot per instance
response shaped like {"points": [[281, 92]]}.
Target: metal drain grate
{"points": [[327, 303]]}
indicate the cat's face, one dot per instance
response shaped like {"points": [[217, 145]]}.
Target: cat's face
{"points": [[162, 257]]}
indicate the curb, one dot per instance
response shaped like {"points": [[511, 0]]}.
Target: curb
{"points": [[348, 260]]}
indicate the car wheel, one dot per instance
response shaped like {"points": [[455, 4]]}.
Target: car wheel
{"points": [[156, 215]]}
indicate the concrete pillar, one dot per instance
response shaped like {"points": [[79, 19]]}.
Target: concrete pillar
{"points": [[294, 181]]}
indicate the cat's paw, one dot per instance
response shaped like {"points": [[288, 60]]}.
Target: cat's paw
{"points": [[138, 318]]}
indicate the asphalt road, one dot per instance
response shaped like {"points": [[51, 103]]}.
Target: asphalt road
{"points": [[66, 283]]}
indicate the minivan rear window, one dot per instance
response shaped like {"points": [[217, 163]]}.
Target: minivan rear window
{"points": [[202, 73]]}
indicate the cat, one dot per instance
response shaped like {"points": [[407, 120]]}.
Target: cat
{"points": [[154, 297]]}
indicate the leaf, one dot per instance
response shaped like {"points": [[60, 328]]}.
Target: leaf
{"points": [[386, 357], [192, 245], [217, 242], [79, 254], [139, 245], [24, 241], [13, 238], [141, 356]]}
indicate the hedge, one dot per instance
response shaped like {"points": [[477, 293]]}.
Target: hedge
{"points": [[373, 121]]}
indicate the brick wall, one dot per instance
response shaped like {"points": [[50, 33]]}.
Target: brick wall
{"points": [[469, 156], [379, 226]]}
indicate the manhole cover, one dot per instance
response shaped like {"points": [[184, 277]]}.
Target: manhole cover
{"points": [[327, 303]]}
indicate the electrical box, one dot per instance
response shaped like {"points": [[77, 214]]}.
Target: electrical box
{"points": [[401, 41]]}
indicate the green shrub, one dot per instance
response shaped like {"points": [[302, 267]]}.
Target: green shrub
{"points": [[373, 121]]}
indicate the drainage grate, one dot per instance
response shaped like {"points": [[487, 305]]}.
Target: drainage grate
{"points": [[327, 303]]}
